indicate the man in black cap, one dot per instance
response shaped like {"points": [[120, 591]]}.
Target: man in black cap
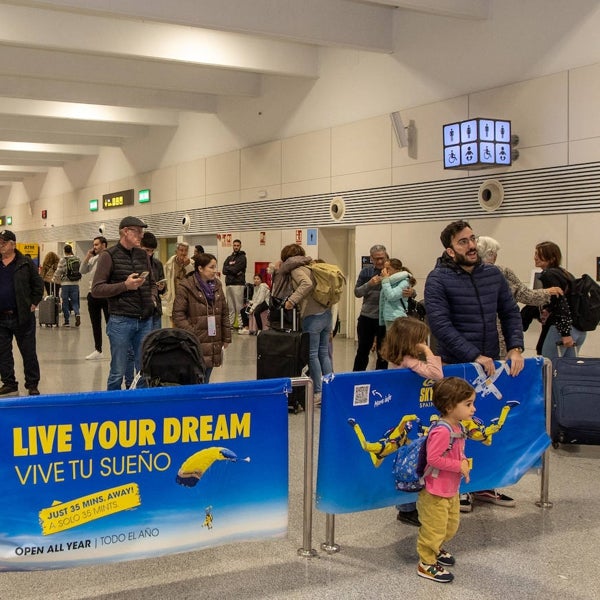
{"points": [[21, 290], [124, 276]]}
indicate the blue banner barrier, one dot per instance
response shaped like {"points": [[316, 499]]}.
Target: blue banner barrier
{"points": [[110, 476], [366, 416]]}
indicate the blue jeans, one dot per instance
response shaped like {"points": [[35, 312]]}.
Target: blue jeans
{"points": [[319, 330], [125, 333], [550, 350], [70, 298], [25, 336]]}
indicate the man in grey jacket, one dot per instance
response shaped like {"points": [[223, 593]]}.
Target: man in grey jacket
{"points": [[368, 287]]}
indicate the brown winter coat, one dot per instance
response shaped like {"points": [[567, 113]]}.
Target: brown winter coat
{"points": [[190, 312]]}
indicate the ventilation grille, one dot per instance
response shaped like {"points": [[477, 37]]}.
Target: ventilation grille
{"points": [[567, 189]]}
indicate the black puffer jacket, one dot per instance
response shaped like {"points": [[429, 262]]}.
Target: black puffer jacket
{"points": [[29, 286], [462, 309]]}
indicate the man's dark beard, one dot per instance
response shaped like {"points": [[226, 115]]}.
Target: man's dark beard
{"points": [[462, 261]]}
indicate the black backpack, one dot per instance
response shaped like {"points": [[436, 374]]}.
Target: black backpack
{"points": [[584, 302], [73, 265], [172, 356]]}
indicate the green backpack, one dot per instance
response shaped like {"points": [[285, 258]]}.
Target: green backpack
{"points": [[328, 283]]}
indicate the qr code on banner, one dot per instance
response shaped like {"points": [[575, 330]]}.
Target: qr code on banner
{"points": [[361, 394]]}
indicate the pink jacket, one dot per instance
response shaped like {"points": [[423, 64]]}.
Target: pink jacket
{"points": [[432, 369], [447, 481]]}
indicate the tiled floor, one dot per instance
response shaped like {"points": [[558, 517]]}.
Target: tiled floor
{"points": [[509, 553]]}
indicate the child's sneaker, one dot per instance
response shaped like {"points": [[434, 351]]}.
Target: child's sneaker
{"points": [[466, 503], [435, 572], [445, 559]]}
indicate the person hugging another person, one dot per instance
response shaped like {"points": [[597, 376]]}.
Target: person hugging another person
{"points": [[487, 249], [405, 346], [557, 329], [394, 281], [316, 319]]}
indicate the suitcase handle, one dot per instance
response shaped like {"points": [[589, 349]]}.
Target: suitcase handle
{"points": [[561, 349], [294, 317]]}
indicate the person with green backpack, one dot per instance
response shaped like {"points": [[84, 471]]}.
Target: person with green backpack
{"points": [[316, 318], [68, 274]]}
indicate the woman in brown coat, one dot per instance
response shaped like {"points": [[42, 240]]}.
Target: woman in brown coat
{"points": [[47, 271], [200, 307]]}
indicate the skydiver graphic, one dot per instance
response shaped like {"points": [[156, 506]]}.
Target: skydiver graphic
{"points": [[392, 439], [476, 429], [195, 466], [208, 518], [390, 442]]}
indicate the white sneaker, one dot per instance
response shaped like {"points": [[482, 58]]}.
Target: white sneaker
{"points": [[95, 355]]}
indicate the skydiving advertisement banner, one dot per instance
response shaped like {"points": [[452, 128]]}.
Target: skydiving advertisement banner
{"points": [[367, 417], [109, 476]]}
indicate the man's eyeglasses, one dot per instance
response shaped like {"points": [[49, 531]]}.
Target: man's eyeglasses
{"points": [[466, 241]]}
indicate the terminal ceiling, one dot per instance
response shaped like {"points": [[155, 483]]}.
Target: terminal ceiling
{"points": [[79, 75]]}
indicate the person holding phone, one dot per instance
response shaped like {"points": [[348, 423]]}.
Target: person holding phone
{"points": [[149, 243], [132, 299]]}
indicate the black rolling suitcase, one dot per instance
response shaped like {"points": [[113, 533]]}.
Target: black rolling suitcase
{"points": [[283, 353], [48, 309], [575, 412]]}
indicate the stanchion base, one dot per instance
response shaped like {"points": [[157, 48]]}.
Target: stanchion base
{"points": [[330, 548], [307, 553], [541, 504]]}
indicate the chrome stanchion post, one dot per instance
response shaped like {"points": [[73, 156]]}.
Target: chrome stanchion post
{"points": [[309, 426], [329, 544], [543, 502]]}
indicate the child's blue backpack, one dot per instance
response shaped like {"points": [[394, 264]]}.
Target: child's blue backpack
{"points": [[410, 464]]}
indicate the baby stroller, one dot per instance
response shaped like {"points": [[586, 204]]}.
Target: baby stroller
{"points": [[171, 357]]}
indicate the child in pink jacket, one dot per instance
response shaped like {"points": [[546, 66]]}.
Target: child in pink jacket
{"points": [[438, 503]]}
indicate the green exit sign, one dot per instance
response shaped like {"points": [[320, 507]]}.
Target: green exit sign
{"points": [[143, 196], [94, 205]]}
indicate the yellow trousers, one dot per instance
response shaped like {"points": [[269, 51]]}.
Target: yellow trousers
{"points": [[439, 523]]}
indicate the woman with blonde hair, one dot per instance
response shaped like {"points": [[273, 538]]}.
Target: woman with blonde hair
{"points": [[47, 271]]}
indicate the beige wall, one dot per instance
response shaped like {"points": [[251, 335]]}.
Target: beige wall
{"points": [[555, 117]]}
